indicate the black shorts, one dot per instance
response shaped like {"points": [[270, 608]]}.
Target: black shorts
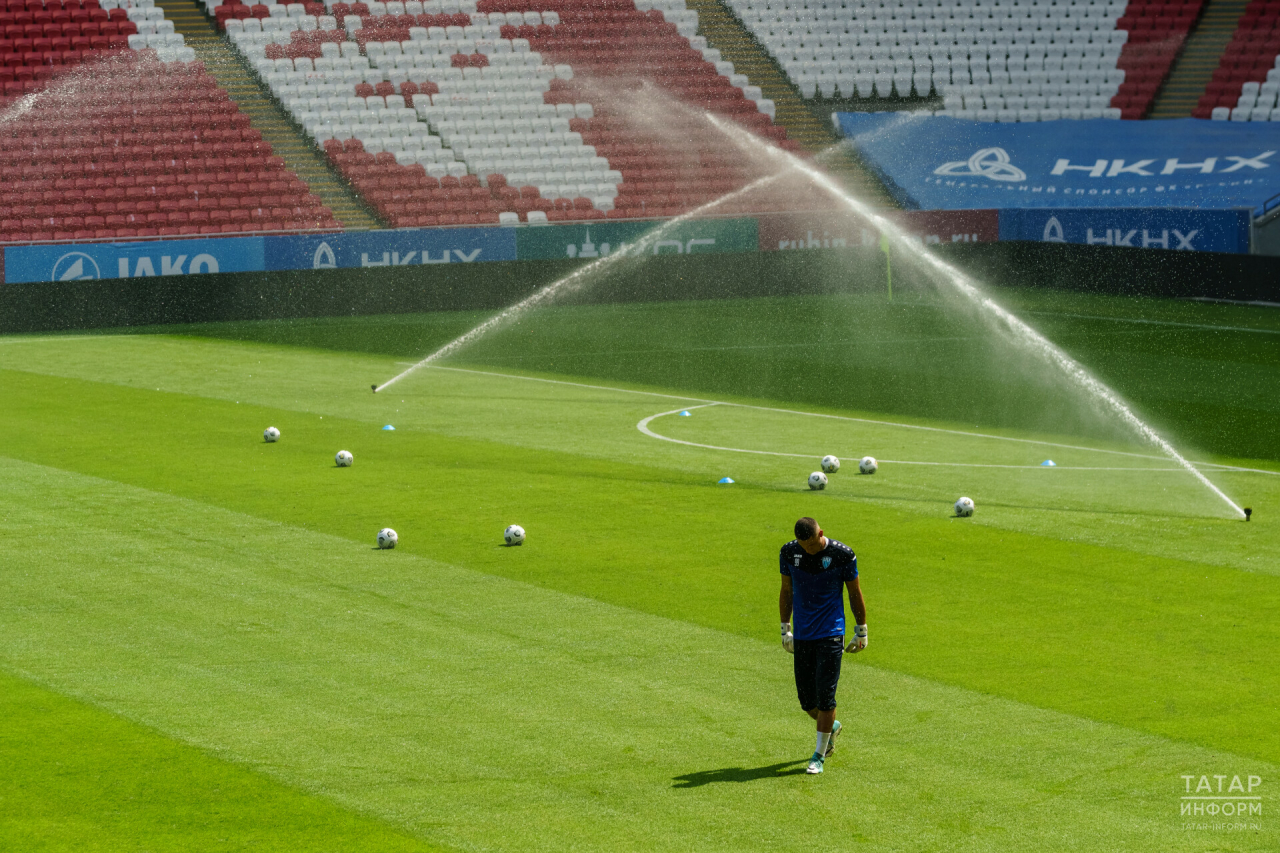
{"points": [[818, 672]]}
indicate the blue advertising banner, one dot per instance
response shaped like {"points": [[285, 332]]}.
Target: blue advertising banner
{"points": [[1141, 228], [410, 247], [89, 261], [942, 163]]}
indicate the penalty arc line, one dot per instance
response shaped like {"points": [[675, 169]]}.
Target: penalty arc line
{"points": [[643, 426], [55, 338], [495, 373], [1139, 321]]}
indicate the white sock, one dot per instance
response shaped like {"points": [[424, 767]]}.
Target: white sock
{"points": [[823, 739]]}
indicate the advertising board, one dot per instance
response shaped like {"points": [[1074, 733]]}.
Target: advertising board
{"points": [[90, 261]]}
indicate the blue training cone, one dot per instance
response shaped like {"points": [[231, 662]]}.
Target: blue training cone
{"points": [[724, 480], [685, 414], [389, 426], [1048, 463]]}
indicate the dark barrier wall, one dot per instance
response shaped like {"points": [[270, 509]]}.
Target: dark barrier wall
{"points": [[385, 290]]}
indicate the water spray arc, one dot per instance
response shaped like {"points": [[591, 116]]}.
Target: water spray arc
{"points": [[1020, 331], [575, 280]]}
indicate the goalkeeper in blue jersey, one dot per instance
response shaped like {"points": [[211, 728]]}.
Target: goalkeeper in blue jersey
{"points": [[815, 572]]}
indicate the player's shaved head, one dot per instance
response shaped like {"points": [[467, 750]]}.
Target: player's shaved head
{"points": [[806, 529]]}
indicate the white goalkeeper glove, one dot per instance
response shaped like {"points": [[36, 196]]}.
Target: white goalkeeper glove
{"points": [[859, 640], [788, 641]]}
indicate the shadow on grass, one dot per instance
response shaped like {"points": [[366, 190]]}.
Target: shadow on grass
{"points": [[739, 774]]}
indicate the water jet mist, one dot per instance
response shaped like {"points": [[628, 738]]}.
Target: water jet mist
{"points": [[577, 279], [1022, 334]]}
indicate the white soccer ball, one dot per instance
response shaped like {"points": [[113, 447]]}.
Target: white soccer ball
{"points": [[964, 507], [513, 535], [817, 481], [830, 464], [387, 538], [270, 435], [344, 459], [868, 465]]}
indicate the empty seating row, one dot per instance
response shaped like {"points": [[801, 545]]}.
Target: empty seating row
{"points": [[451, 91], [39, 41], [656, 45], [1243, 87], [408, 198], [938, 47], [144, 148], [368, 96]]}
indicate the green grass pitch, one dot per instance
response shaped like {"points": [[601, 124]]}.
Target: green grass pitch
{"points": [[201, 649]]}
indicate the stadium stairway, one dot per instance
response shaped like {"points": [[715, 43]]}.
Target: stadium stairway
{"points": [[308, 162], [1193, 70], [723, 31]]}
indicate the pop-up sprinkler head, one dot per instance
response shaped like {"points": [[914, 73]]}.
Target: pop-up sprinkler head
{"points": [[1248, 513]]}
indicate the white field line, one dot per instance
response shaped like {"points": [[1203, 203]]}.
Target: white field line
{"points": [[709, 402], [1254, 302], [1207, 326], [643, 426], [1001, 319], [47, 338]]}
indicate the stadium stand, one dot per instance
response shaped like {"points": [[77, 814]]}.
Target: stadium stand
{"points": [[1025, 60], [1247, 81], [142, 148], [448, 113], [38, 40], [127, 137]]}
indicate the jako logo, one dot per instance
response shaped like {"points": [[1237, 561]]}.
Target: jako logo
{"points": [[75, 266], [990, 163], [323, 258], [169, 265]]}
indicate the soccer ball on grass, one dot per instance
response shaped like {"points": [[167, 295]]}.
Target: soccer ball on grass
{"points": [[271, 435], [344, 459], [964, 507], [817, 481], [830, 464], [513, 535], [868, 465], [387, 538]]}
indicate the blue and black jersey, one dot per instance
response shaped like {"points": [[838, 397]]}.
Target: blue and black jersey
{"points": [[817, 587]]}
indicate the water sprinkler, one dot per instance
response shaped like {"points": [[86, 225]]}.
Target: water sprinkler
{"points": [[375, 388], [1028, 337], [1248, 513]]}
